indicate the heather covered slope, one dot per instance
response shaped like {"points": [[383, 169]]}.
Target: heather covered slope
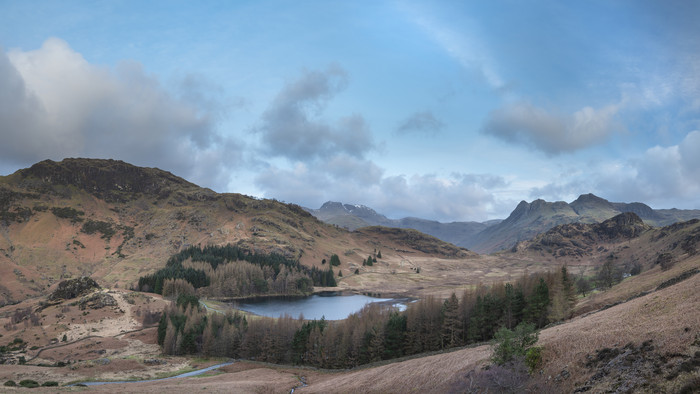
{"points": [[116, 222]]}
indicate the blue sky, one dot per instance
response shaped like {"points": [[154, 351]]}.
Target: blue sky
{"points": [[442, 110]]}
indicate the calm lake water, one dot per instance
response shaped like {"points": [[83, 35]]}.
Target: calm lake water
{"points": [[331, 306]]}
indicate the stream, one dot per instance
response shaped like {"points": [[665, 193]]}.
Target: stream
{"points": [[182, 375]]}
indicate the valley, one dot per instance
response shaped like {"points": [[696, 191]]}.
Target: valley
{"points": [[117, 223]]}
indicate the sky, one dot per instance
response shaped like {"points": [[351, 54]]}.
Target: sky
{"points": [[444, 110]]}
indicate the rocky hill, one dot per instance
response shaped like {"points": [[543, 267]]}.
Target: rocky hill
{"points": [[580, 239], [530, 219], [115, 222]]}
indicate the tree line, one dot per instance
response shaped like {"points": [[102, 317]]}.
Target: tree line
{"points": [[229, 271], [374, 333]]}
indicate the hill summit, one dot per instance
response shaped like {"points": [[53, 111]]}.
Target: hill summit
{"points": [[111, 180]]}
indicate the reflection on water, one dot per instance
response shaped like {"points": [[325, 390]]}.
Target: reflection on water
{"points": [[332, 307]]}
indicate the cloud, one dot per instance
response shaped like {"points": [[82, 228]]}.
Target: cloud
{"points": [[667, 176], [349, 180], [55, 104], [466, 48], [454, 198], [421, 122], [328, 159], [523, 123], [664, 173], [291, 126]]}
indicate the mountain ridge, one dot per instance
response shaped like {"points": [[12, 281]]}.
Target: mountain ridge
{"points": [[526, 221], [355, 216]]}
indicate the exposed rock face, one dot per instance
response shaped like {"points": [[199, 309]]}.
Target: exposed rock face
{"points": [[96, 301], [578, 239], [626, 225], [73, 288]]}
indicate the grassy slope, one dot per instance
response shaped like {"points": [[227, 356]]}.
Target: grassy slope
{"points": [[662, 316], [166, 214]]}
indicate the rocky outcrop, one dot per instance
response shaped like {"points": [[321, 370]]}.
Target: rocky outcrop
{"points": [[626, 225], [96, 301], [73, 288], [579, 239]]}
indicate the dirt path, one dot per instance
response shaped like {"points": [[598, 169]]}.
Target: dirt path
{"points": [[107, 327]]}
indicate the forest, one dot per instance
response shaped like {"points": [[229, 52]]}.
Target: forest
{"points": [[229, 271], [374, 333]]}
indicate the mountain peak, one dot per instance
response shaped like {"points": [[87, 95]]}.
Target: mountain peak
{"points": [[590, 199], [331, 205], [590, 204]]}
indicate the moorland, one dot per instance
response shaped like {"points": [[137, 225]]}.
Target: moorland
{"points": [[620, 311]]}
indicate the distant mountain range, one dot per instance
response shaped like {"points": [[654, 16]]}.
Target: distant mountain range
{"points": [[353, 217], [524, 223]]}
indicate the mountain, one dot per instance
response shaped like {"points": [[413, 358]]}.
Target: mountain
{"points": [[115, 222], [353, 217], [580, 239], [525, 222], [530, 219]]}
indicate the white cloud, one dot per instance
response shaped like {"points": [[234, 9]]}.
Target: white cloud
{"points": [[56, 104], [346, 179], [455, 198], [526, 124], [660, 176], [464, 45]]}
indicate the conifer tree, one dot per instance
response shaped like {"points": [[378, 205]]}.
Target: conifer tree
{"points": [[537, 303], [452, 329]]}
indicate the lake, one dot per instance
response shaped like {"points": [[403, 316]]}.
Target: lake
{"points": [[331, 306]]}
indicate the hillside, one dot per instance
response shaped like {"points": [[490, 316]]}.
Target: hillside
{"points": [[116, 222], [581, 239], [639, 336]]}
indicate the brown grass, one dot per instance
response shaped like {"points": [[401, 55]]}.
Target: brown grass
{"points": [[257, 380], [633, 286], [670, 317], [431, 374]]}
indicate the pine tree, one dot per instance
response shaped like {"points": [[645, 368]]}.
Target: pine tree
{"points": [[452, 329], [537, 303], [394, 335], [513, 304]]}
